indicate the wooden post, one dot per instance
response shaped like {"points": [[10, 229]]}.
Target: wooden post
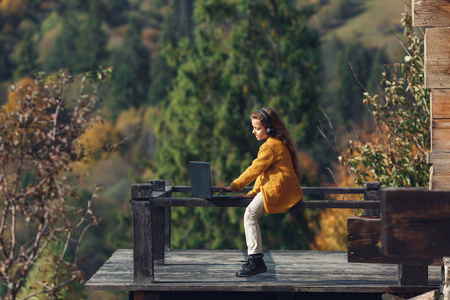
{"points": [[372, 192], [143, 266], [167, 217], [158, 222], [148, 229], [412, 275]]}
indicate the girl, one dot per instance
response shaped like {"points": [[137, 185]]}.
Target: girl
{"points": [[277, 186]]}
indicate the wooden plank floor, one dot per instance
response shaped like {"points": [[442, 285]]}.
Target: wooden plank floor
{"points": [[288, 271]]}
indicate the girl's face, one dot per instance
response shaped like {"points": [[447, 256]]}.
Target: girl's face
{"points": [[259, 130]]}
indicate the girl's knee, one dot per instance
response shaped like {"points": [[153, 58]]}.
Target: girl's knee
{"points": [[250, 215]]}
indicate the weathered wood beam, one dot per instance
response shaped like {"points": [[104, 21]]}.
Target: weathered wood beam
{"points": [[440, 170], [143, 263], [437, 58], [148, 229], [415, 223], [364, 241], [364, 244], [306, 190], [199, 202], [440, 143], [412, 275], [431, 13]]}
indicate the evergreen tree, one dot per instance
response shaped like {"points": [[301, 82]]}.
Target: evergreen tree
{"points": [[243, 56], [65, 43], [132, 72], [117, 10], [91, 41], [26, 57], [176, 25]]}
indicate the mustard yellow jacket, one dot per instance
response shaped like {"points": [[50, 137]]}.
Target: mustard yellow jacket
{"points": [[275, 177]]}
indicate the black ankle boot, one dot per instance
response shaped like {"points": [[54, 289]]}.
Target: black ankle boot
{"points": [[254, 265]]}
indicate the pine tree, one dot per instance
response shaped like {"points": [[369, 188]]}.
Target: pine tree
{"points": [[26, 57], [177, 24], [65, 43], [132, 72], [91, 41], [243, 56]]}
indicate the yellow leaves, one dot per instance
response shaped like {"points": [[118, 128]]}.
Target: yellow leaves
{"points": [[333, 230], [129, 121], [93, 141]]}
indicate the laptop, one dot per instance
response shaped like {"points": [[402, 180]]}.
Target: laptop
{"points": [[201, 182]]}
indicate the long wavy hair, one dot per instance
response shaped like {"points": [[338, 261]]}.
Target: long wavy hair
{"points": [[283, 134]]}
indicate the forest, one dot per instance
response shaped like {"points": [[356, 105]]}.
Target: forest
{"points": [[142, 87]]}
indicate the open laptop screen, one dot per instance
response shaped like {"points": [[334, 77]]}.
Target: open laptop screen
{"points": [[200, 179]]}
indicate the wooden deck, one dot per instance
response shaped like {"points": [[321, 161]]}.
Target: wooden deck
{"points": [[288, 271]]}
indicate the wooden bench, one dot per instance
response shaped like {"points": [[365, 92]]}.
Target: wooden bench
{"points": [[411, 232]]}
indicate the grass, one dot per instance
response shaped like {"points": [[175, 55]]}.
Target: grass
{"points": [[373, 24]]}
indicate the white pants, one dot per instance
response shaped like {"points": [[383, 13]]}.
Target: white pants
{"points": [[252, 232]]}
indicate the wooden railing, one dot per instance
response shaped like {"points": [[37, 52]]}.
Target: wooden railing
{"points": [[151, 203]]}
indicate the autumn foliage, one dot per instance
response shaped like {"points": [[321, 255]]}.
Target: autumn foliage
{"points": [[40, 132]]}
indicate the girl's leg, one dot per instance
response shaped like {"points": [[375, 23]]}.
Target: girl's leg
{"points": [[255, 263], [252, 232]]}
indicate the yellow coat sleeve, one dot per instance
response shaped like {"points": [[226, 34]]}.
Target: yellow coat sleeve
{"points": [[264, 160]]}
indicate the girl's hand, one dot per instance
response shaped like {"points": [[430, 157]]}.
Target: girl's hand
{"points": [[245, 196], [222, 189]]}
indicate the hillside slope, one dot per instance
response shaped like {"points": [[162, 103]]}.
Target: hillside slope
{"points": [[372, 22]]}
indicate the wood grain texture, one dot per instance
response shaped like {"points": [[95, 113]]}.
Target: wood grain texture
{"points": [[415, 224], [440, 141], [440, 170], [440, 181], [142, 242], [437, 58], [363, 240], [364, 244], [440, 104], [288, 271], [440, 135], [431, 13]]}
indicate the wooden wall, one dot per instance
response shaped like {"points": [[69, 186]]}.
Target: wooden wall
{"points": [[434, 16]]}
